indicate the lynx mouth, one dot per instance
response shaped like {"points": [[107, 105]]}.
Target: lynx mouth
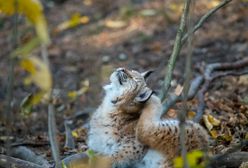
{"points": [[122, 76]]}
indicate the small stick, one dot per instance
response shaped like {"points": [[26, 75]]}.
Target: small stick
{"points": [[7, 161]]}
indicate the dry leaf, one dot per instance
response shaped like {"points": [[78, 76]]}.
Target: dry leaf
{"points": [[74, 94], [74, 21], [115, 24], [207, 123], [214, 134], [178, 90], [213, 121], [191, 114]]}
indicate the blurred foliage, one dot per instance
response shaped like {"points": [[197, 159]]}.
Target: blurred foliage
{"points": [[38, 70], [32, 10], [76, 93], [39, 73], [195, 160]]}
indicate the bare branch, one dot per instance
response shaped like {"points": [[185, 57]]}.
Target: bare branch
{"points": [[69, 141], [8, 111], [173, 99], [204, 18], [27, 154], [7, 161], [180, 41], [51, 116], [210, 74], [52, 135], [176, 51], [201, 106]]}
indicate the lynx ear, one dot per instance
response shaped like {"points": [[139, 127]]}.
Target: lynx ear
{"points": [[147, 74], [143, 96]]}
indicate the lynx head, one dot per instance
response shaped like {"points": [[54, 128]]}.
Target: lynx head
{"points": [[128, 87]]}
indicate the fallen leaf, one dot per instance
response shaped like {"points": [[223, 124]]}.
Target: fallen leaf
{"points": [[178, 90], [213, 121], [207, 123], [115, 24], [148, 12], [74, 94], [214, 134], [75, 134], [74, 21], [191, 114]]}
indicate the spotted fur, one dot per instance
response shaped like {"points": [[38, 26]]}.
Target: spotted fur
{"points": [[127, 125]]}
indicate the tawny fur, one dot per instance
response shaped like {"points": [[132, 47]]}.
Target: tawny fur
{"points": [[127, 125], [162, 135]]}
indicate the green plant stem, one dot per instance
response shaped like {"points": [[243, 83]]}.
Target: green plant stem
{"points": [[52, 135], [175, 51], [8, 111], [52, 129]]}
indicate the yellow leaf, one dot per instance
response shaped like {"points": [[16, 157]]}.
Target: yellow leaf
{"points": [[246, 136], [39, 72], [82, 90], [74, 21], [75, 134], [214, 134], [29, 101], [207, 123], [191, 114], [72, 94], [32, 9], [213, 121], [193, 160]]}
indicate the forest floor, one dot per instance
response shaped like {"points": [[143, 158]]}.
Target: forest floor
{"points": [[138, 35]]}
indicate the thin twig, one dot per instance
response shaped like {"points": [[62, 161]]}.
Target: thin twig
{"points": [[204, 18], [7, 161], [52, 132], [231, 158], [69, 140], [178, 45], [175, 51], [52, 129], [27, 154], [8, 111], [186, 85]]}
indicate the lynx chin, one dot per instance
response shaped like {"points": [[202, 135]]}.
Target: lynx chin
{"points": [[127, 126]]}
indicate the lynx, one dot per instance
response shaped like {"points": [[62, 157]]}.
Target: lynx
{"points": [[127, 126]]}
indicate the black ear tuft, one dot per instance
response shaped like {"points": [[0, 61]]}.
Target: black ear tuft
{"points": [[147, 74], [142, 97]]}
